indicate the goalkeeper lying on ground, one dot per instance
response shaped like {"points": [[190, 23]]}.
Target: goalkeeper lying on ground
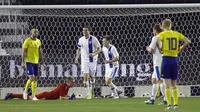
{"points": [[60, 92]]}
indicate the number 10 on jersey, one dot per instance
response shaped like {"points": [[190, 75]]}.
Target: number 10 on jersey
{"points": [[172, 43]]}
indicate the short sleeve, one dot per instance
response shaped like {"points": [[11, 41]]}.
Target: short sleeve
{"points": [[62, 90], [115, 53], [79, 43], [153, 43], [160, 36], [25, 44], [40, 43], [181, 36], [96, 43]]}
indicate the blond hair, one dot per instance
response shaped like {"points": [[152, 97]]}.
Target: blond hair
{"points": [[166, 24]]}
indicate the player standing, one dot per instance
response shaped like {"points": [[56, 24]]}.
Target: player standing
{"points": [[31, 56], [89, 48], [61, 92], [111, 64], [170, 48], [157, 59]]}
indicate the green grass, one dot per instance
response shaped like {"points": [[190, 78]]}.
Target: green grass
{"points": [[95, 105]]}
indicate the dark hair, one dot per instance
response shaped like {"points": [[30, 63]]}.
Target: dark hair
{"points": [[158, 28], [33, 27], [86, 26], [69, 78], [107, 37]]}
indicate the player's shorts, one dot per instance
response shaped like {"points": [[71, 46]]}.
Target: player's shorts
{"points": [[169, 69], [156, 72], [32, 69], [89, 67], [111, 72]]}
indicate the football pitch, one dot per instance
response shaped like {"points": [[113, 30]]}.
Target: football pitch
{"points": [[95, 105]]}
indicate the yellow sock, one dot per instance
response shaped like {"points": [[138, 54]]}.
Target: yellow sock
{"points": [[168, 96], [175, 95], [28, 84], [33, 87]]}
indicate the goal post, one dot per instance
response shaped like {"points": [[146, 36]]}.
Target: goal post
{"points": [[130, 26]]}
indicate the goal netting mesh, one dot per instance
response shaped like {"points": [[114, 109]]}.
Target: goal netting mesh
{"points": [[130, 28]]}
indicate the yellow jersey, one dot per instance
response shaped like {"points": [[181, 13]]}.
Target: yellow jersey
{"points": [[32, 47], [170, 42]]}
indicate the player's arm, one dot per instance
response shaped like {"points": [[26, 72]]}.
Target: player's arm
{"points": [[41, 59], [152, 46], [97, 52], [186, 42], [78, 51], [64, 98], [158, 43], [98, 46], [62, 92], [24, 52]]}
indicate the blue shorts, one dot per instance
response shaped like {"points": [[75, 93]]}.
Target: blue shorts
{"points": [[169, 69], [32, 69]]}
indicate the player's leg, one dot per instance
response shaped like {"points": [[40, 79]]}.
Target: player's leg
{"points": [[161, 83], [165, 74], [154, 90], [109, 77], [30, 73], [162, 89], [34, 82], [43, 95], [92, 73], [173, 82], [85, 71], [20, 96]]}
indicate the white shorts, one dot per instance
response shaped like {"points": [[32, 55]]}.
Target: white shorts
{"points": [[111, 72], [89, 67], [156, 72]]}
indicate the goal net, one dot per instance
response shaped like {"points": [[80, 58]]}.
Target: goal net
{"points": [[130, 27]]}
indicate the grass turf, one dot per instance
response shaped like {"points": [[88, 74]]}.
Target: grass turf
{"points": [[95, 105]]}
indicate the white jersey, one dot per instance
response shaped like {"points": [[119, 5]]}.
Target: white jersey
{"points": [[109, 54], [88, 46], [157, 56]]}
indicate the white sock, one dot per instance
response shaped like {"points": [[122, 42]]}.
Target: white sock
{"points": [[115, 89], [162, 89], [154, 91], [87, 88]]}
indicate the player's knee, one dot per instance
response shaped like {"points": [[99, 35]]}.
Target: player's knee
{"points": [[107, 81], [86, 76], [154, 81]]}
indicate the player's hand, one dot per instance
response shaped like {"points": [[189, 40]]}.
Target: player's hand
{"points": [[45, 67], [149, 49], [106, 61], [159, 81], [76, 61], [180, 49], [24, 65], [92, 54]]}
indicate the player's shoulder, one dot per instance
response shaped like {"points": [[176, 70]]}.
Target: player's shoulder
{"points": [[38, 40], [176, 32], [94, 37], [161, 33], [81, 37], [28, 39], [155, 37], [113, 47]]}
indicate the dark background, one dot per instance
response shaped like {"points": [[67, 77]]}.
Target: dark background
{"points": [[65, 2]]}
